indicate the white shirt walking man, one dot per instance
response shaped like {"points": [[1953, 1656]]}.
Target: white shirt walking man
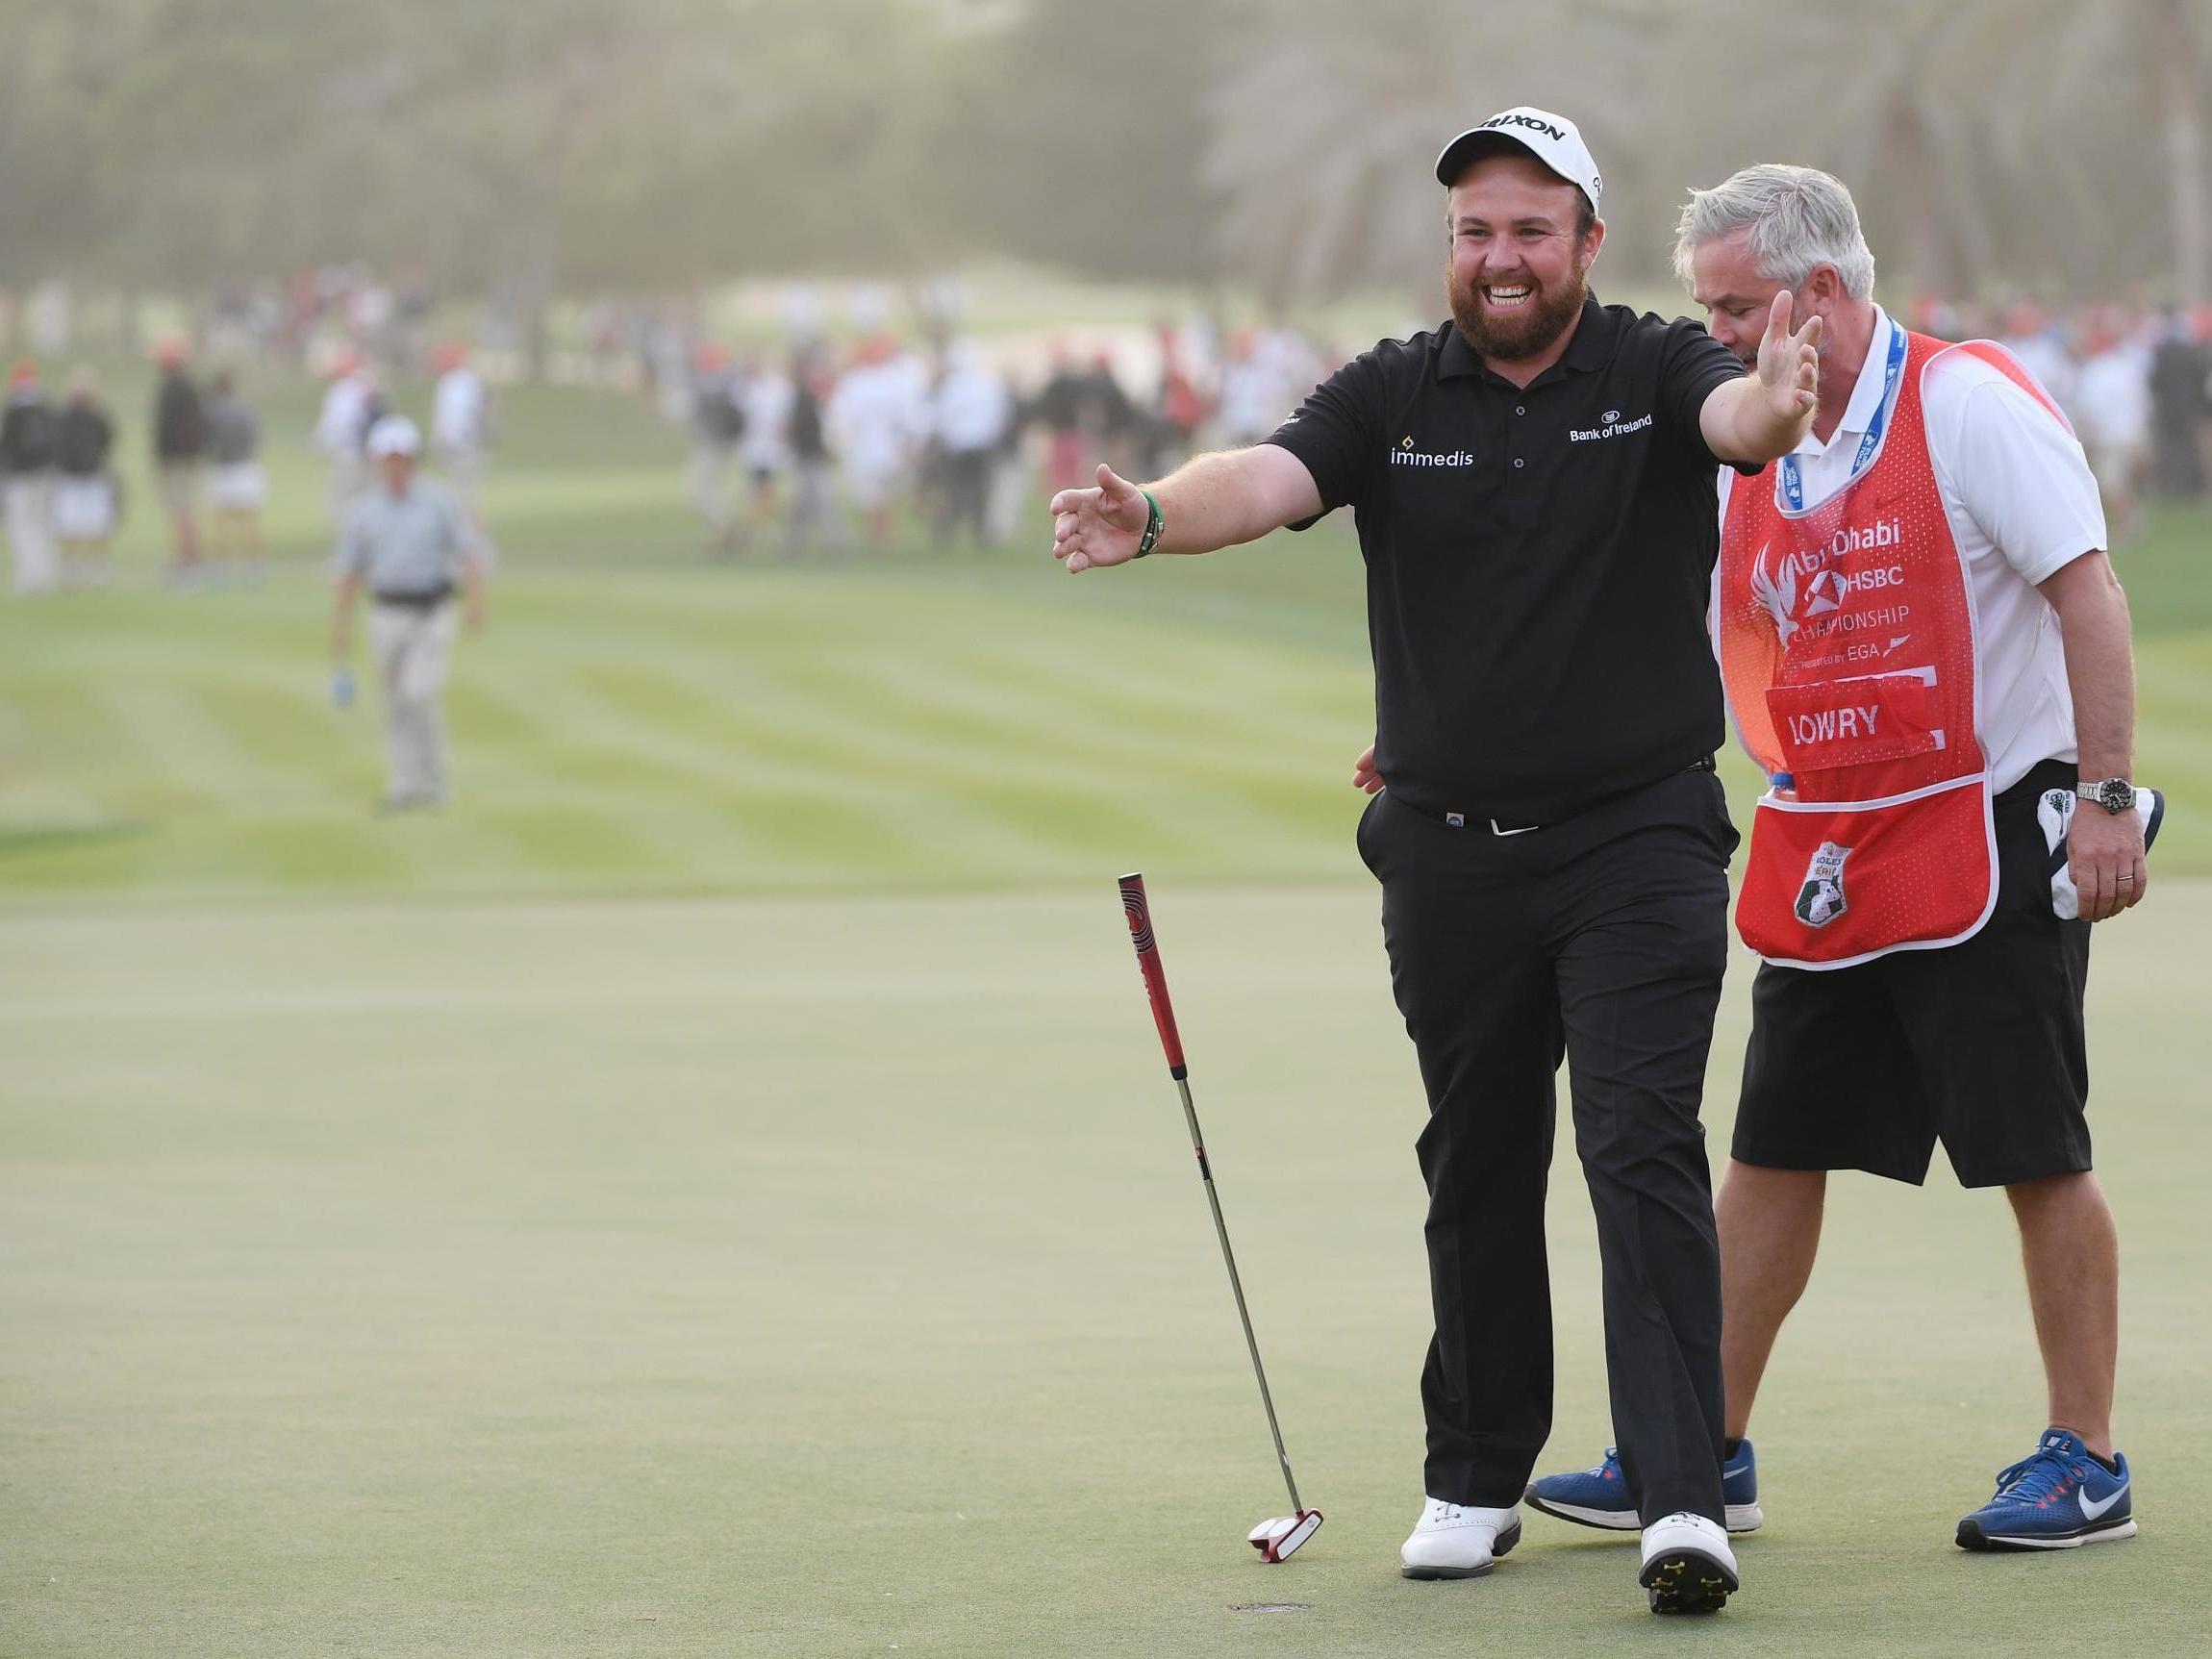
{"points": [[409, 543]]}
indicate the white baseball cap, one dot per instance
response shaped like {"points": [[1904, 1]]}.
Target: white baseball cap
{"points": [[395, 435], [1552, 139]]}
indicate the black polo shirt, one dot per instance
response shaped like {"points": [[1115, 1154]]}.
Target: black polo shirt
{"points": [[1539, 560]]}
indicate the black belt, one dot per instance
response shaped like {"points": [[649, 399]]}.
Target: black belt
{"points": [[1519, 826], [423, 599]]}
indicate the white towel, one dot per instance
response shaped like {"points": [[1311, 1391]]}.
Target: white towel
{"points": [[2054, 812]]}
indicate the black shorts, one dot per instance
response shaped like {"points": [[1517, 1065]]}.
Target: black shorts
{"points": [[1979, 1045]]}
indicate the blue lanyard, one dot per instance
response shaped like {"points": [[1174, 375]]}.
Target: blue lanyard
{"points": [[1793, 478]]}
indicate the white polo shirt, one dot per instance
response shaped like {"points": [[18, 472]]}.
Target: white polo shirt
{"points": [[2022, 504]]}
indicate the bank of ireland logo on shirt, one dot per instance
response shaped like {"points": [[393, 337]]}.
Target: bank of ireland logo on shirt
{"points": [[1611, 424], [1820, 899], [1406, 455]]}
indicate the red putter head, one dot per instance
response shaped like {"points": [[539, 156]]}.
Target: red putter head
{"points": [[1276, 1540]]}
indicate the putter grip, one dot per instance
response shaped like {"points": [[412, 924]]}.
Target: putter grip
{"points": [[1139, 915]]}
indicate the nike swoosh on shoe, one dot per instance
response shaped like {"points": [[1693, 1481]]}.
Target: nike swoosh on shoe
{"points": [[2095, 1511]]}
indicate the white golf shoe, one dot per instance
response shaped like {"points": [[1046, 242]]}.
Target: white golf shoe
{"points": [[1451, 1540], [1688, 1565]]}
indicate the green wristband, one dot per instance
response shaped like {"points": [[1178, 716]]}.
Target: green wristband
{"points": [[1154, 525]]}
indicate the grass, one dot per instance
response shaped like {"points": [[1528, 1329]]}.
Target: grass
{"points": [[816, 1276], [714, 1191]]}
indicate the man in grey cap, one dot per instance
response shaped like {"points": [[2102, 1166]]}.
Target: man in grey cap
{"points": [[410, 545], [1535, 489]]}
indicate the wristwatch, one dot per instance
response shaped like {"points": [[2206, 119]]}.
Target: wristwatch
{"points": [[2113, 794]]}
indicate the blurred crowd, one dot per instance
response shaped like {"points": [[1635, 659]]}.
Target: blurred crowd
{"points": [[355, 398], [2136, 385], [61, 498], [789, 448], [830, 442]]}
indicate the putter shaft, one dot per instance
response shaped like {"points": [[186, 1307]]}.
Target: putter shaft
{"points": [[1236, 1286]]}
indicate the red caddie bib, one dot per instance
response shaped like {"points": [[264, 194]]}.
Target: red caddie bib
{"points": [[1845, 634]]}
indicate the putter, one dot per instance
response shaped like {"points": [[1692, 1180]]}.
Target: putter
{"points": [[1275, 1539]]}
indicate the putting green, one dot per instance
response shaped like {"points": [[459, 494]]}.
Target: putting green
{"points": [[809, 1277]]}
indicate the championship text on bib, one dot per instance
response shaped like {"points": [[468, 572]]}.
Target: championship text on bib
{"points": [[1845, 634]]}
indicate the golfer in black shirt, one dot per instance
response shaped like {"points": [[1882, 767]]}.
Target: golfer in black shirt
{"points": [[1534, 491]]}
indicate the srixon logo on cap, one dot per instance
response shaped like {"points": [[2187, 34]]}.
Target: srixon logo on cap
{"points": [[1529, 121]]}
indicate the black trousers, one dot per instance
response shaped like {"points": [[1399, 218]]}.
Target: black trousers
{"points": [[1602, 938]]}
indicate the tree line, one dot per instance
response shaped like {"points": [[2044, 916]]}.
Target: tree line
{"points": [[2040, 147]]}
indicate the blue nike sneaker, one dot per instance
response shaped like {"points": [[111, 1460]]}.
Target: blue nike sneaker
{"points": [[2058, 1497], [1599, 1496]]}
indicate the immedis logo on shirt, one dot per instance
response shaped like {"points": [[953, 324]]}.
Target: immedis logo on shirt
{"points": [[1821, 900], [1406, 455]]}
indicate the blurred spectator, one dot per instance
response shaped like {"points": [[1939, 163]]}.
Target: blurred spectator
{"points": [[2113, 394], [1251, 404], [814, 508], [2181, 405], [27, 480], [971, 414], [718, 423], [238, 486], [1290, 364], [871, 422], [461, 424], [766, 441], [1178, 410], [86, 494], [350, 406], [413, 303], [1106, 422], [2041, 352], [1056, 408], [180, 443]]}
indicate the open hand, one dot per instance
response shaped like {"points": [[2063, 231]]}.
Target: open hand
{"points": [[1100, 525], [1790, 364]]}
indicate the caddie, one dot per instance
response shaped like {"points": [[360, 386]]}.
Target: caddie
{"points": [[1924, 647]]}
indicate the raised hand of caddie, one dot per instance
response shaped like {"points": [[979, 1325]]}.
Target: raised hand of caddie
{"points": [[1101, 525], [1790, 364]]}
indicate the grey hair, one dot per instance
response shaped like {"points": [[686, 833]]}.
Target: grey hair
{"points": [[1801, 218]]}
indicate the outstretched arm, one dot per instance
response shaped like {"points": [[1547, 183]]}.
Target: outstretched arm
{"points": [[1761, 416], [1217, 500]]}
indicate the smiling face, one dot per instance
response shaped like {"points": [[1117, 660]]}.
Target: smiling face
{"points": [[1520, 259]]}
